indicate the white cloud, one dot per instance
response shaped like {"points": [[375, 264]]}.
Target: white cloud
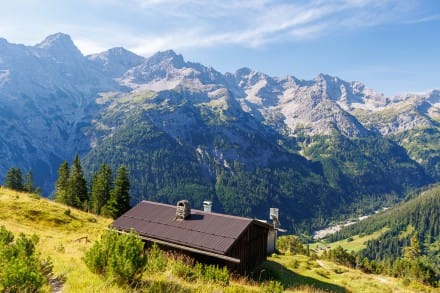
{"points": [[147, 26], [195, 24]]}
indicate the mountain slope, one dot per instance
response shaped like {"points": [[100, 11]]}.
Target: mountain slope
{"points": [[318, 148], [169, 163], [46, 95], [417, 217], [242, 164]]}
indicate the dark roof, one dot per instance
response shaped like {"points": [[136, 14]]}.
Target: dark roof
{"points": [[202, 230]]}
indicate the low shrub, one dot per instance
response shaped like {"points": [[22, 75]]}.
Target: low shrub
{"points": [[22, 269], [157, 260], [272, 287], [118, 257], [216, 275], [186, 269]]}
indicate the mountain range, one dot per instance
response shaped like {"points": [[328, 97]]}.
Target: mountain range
{"points": [[246, 140]]}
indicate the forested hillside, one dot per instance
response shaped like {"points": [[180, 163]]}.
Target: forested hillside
{"points": [[176, 147], [410, 243], [318, 149]]}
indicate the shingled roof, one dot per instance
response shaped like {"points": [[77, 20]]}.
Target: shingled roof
{"points": [[204, 231]]}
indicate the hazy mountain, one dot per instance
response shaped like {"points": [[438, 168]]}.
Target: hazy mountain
{"points": [[244, 139], [47, 92], [116, 61]]}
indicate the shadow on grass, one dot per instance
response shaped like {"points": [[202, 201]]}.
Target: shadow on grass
{"points": [[270, 270]]}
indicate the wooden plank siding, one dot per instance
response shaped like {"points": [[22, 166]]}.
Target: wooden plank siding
{"points": [[250, 248]]}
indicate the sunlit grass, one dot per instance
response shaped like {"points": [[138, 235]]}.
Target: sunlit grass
{"points": [[58, 233], [355, 244], [325, 275], [62, 232]]}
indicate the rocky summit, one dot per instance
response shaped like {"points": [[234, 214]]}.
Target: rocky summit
{"points": [[245, 139]]}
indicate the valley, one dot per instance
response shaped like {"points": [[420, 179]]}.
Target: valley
{"points": [[322, 150]]}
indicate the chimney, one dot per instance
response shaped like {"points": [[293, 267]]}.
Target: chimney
{"points": [[183, 210], [273, 214], [272, 234], [207, 206]]}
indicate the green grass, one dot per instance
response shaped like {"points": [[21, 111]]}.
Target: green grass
{"points": [[298, 271], [355, 245], [58, 234], [62, 238]]}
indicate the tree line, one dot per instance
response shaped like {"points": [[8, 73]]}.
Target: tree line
{"points": [[412, 266], [16, 181], [107, 196], [409, 248]]}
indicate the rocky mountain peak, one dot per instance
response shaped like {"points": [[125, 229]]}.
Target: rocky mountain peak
{"points": [[243, 72], [116, 61], [59, 42], [167, 57], [327, 78]]}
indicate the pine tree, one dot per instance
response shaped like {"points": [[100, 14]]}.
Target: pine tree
{"points": [[77, 185], [10, 178], [14, 179], [61, 184], [101, 188], [119, 201], [413, 250], [29, 182]]}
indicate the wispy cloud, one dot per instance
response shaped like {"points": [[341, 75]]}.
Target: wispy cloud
{"points": [[146, 26], [429, 18], [193, 23]]}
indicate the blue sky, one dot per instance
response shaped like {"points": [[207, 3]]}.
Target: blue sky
{"points": [[392, 46]]}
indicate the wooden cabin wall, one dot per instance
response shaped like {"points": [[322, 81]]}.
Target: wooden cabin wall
{"points": [[250, 248]]}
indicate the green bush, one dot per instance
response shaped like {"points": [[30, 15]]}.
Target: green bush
{"points": [[290, 244], [216, 275], [294, 264], [272, 287], [67, 212], [184, 271], [322, 273], [6, 237], [20, 275], [185, 268], [118, 257], [157, 260], [22, 269]]}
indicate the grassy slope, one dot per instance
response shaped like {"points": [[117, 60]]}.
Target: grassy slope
{"points": [[355, 245], [328, 276], [59, 234]]}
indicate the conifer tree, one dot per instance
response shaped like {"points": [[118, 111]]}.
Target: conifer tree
{"points": [[77, 185], [413, 250], [14, 179], [119, 201], [101, 188], [61, 184], [10, 178], [29, 182]]}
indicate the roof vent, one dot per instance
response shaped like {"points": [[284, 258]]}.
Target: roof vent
{"points": [[207, 206], [183, 210]]}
